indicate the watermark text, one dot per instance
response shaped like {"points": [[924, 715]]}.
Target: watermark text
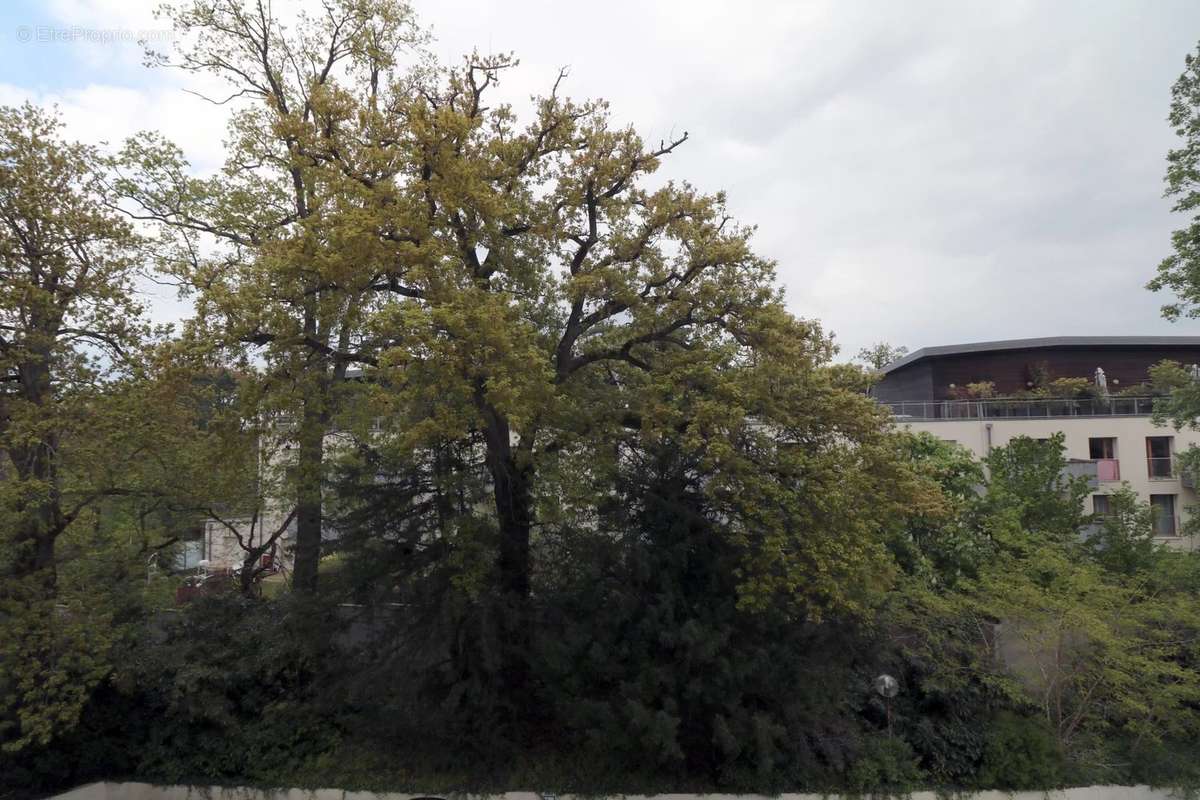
{"points": [[51, 34]]}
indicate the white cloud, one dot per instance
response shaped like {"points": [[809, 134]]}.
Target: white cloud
{"points": [[925, 172], [110, 114]]}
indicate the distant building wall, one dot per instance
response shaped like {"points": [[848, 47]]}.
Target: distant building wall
{"points": [[910, 383], [221, 548], [1014, 370], [1130, 454]]}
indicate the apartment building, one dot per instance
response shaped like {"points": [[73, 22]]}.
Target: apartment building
{"points": [[982, 395]]}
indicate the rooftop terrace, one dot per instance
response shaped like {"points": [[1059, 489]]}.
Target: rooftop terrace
{"points": [[1020, 408]]}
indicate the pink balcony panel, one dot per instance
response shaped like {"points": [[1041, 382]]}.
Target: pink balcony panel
{"points": [[1108, 469]]}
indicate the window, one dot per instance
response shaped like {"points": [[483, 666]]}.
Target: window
{"points": [[1100, 506], [1102, 447], [1164, 514], [1158, 456]]}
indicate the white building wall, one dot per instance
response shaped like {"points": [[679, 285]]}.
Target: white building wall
{"points": [[977, 435], [222, 550], [221, 547]]}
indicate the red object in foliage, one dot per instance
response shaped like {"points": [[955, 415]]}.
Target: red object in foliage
{"points": [[203, 586], [185, 593]]}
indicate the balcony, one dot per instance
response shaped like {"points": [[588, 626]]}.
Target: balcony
{"points": [[1021, 409], [1083, 468], [1108, 470]]}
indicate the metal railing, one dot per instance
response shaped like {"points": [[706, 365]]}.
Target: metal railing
{"points": [[1083, 468], [1022, 408]]}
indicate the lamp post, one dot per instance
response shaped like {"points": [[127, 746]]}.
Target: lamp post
{"points": [[887, 687]]}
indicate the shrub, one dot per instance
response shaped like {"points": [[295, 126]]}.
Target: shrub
{"points": [[1071, 387], [981, 390], [885, 763], [233, 689], [1020, 753]]}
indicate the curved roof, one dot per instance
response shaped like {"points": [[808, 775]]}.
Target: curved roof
{"points": [[1042, 343]]}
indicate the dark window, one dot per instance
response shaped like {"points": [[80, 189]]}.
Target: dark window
{"points": [[1158, 456], [1164, 514], [1100, 506], [1102, 447]]}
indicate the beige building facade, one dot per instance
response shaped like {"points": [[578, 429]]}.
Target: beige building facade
{"points": [[1125, 450], [1097, 391]]}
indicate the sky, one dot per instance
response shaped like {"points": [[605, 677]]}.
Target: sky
{"points": [[924, 173]]}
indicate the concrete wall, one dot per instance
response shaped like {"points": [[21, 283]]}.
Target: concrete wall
{"points": [[145, 791], [1130, 433]]}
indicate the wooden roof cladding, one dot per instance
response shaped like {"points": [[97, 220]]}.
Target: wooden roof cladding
{"points": [[1017, 365]]}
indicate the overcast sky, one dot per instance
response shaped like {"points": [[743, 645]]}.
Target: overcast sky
{"points": [[923, 172]]}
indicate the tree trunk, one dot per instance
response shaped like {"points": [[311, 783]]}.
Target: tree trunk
{"points": [[309, 468], [248, 574], [36, 467], [512, 481]]}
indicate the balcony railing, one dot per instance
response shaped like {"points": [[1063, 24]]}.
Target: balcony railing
{"points": [[1108, 469], [1083, 468], [1022, 409]]}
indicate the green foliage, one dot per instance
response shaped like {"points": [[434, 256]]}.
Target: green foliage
{"points": [[80, 502], [935, 540], [70, 325], [1072, 387], [650, 672], [1178, 403], [1123, 541], [886, 764], [655, 669], [609, 517], [231, 687], [1040, 376], [1180, 271], [879, 355], [1030, 498], [1072, 629], [1020, 753], [53, 657], [982, 390]]}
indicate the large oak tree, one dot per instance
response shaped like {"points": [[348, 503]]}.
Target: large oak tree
{"points": [[528, 289], [555, 304]]}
